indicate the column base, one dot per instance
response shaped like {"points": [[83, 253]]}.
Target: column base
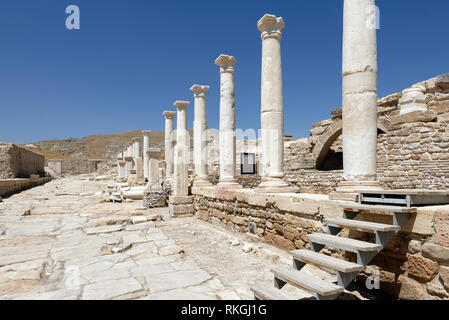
{"points": [[201, 183], [349, 190], [229, 184], [181, 206], [275, 185]]}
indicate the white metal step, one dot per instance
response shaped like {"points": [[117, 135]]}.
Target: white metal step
{"points": [[344, 243], [363, 226], [306, 282], [268, 293], [318, 259]]}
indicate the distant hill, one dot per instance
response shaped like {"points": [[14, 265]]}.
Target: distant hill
{"points": [[102, 146]]}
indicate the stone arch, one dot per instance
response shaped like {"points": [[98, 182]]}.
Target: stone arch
{"points": [[325, 141], [332, 132]]}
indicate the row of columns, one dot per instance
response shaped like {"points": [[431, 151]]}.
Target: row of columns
{"points": [[132, 161], [359, 82]]}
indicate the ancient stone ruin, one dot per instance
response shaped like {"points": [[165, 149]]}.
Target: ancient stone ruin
{"points": [[361, 206]]}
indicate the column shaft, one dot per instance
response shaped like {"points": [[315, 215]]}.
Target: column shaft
{"points": [[169, 144], [227, 123], [200, 136], [359, 92], [272, 106], [181, 182], [146, 147]]}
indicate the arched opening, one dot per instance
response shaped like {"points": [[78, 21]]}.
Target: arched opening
{"points": [[334, 156], [328, 150]]}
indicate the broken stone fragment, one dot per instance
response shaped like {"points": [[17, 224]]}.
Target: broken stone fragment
{"points": [[234, 242], [247, 247], [415, 116]]}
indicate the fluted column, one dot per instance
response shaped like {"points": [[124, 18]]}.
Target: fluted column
{"points": [[146, 159], [199, 136], [272, 107], [169, 144], [359, 84], [227, 123]]}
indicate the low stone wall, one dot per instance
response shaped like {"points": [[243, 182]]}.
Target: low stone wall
{"points": [[74, 166], [413, 266], [16, 162], [11, 186]]}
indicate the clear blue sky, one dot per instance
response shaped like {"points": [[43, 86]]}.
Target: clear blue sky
{"points": [[132, 59]]}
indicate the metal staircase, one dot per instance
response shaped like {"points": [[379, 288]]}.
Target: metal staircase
{"points": [[346, 271]]}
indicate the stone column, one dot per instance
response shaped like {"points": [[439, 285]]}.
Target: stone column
{"points": [[359, 96], [120, 166], [146, 147], [169, 144], [272, 107], [180, 203], [128, 161], [227, 123], [199, 136], [153, 179], [121, 169], [138, 165]]}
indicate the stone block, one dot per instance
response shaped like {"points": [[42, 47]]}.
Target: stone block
{"points": [[330, 209], [180, 200], [181, 209], [442, 227], [444, 277], [421, 223], [260, 199], [279, 241], [410, 289], [226, 194], [422, 269], [435, 252], [306, 204], [414, 116], [208, 192], [242, 195], [436, 290]]}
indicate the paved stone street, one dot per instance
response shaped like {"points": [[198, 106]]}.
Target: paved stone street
{"points": [[58, 241]]}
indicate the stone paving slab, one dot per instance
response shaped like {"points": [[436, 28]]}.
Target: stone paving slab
{"points": [[74, 247]]}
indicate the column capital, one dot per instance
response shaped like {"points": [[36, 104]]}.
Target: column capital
{"points": [[271, 26], [146, 132], [181, 105], [199, 89], [226, 63], [136, 139], [169, 114]]}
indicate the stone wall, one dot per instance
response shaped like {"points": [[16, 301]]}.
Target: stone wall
{"points": [[414, 266], [16, 162], [412, 149], [74, 166], [11, 186]]}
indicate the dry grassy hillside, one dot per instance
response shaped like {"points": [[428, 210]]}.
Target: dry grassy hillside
{"points": [[104, 146]]}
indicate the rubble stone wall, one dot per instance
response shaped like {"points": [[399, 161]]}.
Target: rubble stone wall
{"points": [[74, 166], [16, 162], [415, 265]]}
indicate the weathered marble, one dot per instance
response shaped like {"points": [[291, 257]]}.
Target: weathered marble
{"points": [[272, 106], [146, 147], [359, 95], [200, 153], [169, 144], [227, 123]]}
